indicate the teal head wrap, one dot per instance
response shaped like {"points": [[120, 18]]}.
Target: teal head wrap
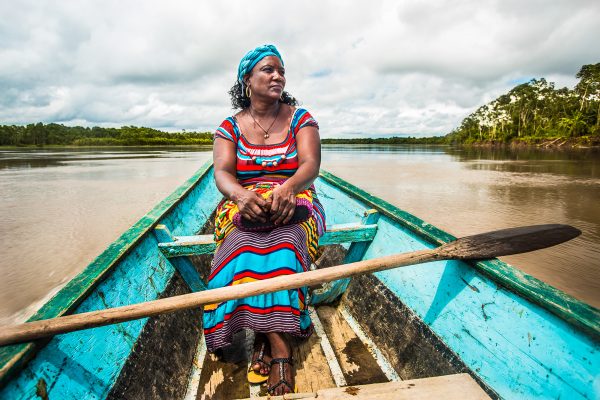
{"points": [[253, 57]]}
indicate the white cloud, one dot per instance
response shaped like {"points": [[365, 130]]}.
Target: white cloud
{"points": [[375, 68]]}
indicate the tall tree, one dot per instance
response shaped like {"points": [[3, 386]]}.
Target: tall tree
{"points": [[588, 89]]}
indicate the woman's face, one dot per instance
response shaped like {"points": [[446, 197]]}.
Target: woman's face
{"points": [[267, 78]]}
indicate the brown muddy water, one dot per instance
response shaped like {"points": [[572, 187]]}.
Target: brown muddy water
{"points": [[60, 208]]}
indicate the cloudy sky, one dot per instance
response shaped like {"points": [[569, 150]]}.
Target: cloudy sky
{"points": [[369, 68]]}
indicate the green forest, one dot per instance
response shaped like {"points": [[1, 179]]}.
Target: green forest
{"points": [[57, 134], [390, 140], [533, 112], [536, 112]]}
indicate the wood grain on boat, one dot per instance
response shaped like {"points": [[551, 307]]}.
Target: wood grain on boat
{"points": [[449, 387]]}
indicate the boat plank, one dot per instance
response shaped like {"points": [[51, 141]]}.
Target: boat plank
{"points": [[224, 376], [448, 387], [312, 369], [358, 233], [358, 365]]}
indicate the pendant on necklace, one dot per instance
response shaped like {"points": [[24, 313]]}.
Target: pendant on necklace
{"points": [[266, 131]]}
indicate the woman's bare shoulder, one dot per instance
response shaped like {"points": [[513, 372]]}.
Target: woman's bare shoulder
{"points": [[239, 114], [288, 111]]}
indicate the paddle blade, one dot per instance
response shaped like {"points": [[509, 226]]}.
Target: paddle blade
{"points": [[508, 241]]}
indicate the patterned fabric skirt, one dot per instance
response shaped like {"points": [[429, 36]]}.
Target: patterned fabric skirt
{"points": [[248, 256]]}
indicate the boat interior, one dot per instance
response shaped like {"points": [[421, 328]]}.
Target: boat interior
{"points": [[365, 345], [338, 361]]}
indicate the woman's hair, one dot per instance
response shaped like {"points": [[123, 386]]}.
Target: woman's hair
{"points": [[239, 100]]}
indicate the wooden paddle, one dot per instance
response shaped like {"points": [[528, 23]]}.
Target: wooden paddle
{"points": [[482, 246]]}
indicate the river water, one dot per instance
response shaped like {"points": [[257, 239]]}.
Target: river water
{"points": [[60, 208]]}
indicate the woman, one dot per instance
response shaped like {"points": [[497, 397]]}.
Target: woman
{"points": [[266, 158]]}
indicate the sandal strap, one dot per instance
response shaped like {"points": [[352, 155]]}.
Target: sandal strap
{"points": [[260, 357], [287, 360], [272, 388], [282, 380], [261, 354]]}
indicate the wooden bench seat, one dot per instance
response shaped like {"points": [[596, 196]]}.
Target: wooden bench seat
{"points": [[447, 387], [178, 249], [204, 244]]}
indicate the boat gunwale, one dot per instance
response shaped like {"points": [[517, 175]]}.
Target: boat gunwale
{"points": [[577, 313], [66, 300]]}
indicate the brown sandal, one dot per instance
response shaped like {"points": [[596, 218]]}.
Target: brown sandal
{"points": [[282, 380]]}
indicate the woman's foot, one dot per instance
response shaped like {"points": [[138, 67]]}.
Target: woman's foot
{"points": [[261, 357], [281, 377]]}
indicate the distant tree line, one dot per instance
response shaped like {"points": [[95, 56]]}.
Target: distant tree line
{"points": [[57, 134], [536, 111], [391, 140]]}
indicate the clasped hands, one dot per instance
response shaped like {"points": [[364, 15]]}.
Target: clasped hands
{"points": [[278, 208]]}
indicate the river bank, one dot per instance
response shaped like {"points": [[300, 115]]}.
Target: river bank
{"points": [[583, 142]]}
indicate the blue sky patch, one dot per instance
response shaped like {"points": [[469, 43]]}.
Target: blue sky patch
{"points": [[518, 81], [321, 73]]}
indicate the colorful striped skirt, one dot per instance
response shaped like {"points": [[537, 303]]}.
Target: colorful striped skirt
{"points": [[248, 256]]}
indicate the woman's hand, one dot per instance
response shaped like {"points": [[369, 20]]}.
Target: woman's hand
{"points": [[252, 206], [283, 204]]}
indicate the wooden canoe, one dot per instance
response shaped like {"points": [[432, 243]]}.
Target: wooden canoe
{"points": [[474, 329]]}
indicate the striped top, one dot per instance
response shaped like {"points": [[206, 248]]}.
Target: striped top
{"points": [[265, 163]]}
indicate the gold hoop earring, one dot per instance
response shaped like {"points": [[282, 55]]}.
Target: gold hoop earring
{"points": [[281, 97], [248, 92]]}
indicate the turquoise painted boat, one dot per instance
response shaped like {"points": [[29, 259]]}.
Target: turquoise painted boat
{"points": [[482, 327]]}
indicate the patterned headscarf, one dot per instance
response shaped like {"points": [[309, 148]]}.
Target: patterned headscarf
{"points": [[253, 57]]}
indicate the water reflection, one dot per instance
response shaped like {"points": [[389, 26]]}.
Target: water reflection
{"points": [[515, 154], [580, 162], [42, 158], [376, 148]]}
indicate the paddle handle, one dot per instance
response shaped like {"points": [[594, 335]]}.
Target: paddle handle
{"points": [[39, 329]]}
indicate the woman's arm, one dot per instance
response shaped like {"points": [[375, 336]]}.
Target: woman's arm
{"points": [[308, 144], [252, 206]]}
